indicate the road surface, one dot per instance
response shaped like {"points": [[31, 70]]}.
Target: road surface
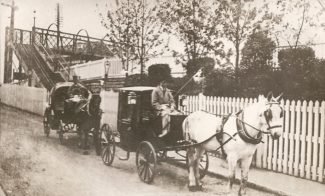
{"points": [[32, 164]]}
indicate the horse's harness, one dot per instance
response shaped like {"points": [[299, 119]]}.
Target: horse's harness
{"points": [[242, 131]]}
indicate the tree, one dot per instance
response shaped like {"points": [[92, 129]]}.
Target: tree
{"points": [[257, 65], [193, 65], [240, 18], [134, 31], [257, 53], [220, 82], [158, 72], [296, 31], [192, 23], [297, 65]]}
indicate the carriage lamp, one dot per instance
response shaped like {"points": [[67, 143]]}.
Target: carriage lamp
{"points": [[107, 65], [132, 98], [183, 101]]}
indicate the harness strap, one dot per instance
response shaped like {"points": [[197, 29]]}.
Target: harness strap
{"points": [[244, 135]]}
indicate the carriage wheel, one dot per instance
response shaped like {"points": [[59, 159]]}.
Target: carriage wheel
{"points": [[203, 166], [61, 132], [46, 122], [107, 142], [146, 161]]}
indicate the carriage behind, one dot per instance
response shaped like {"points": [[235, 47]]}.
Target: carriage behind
{"points": [[137, 131], [64, 117]]}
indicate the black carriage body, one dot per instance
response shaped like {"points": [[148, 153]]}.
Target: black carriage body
{"points": [[138, 122], [57, 103]]}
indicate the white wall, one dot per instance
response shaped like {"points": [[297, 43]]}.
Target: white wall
{"points": [[26, 98], [109, 105]]}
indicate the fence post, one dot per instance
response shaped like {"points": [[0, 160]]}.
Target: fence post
{"points": [[309, 139], [297, 139], [303, 138], [201, 101], [321, 143], [315, 141]]}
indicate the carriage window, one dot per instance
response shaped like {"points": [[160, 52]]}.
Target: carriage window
{"points": [[146, 107], [132, 98], [128, 106]]}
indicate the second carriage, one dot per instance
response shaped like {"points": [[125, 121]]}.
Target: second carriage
{"points": [[79, 114], [136, 129]]}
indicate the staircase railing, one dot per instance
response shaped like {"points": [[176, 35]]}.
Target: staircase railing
{"points": [[62, 67]]}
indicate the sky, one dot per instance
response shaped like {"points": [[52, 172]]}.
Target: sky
{"points": [[84, 14]]}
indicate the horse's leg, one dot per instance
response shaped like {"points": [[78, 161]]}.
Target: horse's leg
{"points": [[191, 165], [245, 164], [84, 128], [198, 154], [232, 163]]}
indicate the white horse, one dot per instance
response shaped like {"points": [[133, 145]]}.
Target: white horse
{"points": [[240, 134]]}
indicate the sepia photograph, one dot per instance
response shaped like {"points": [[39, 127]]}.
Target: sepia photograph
{"points": [[162, 97]]}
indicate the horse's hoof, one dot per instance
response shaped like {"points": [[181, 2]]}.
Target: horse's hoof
{"points": [[199, 187], [192, 188], [85, 153]]}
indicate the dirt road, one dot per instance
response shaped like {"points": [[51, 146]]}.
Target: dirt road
{"points": [[31, 164]]}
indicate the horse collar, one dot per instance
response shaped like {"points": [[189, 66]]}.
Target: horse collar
{"points": [[242, 131]]}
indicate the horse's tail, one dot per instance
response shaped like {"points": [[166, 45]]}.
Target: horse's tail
{"points": [[185, 126]]}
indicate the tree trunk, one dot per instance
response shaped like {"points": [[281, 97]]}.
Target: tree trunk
{"points": [[237, 67]]}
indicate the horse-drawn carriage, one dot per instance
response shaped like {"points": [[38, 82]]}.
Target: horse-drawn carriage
{"points": [[77, 114], [191, 136], [137, 131]]}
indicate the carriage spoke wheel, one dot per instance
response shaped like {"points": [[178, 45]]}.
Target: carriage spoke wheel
{"points": [[61, 132], [203, 165], [146, 161], [46, 123], [107, 142]]}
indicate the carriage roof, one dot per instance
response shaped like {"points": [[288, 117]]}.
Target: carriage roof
{"points": [[137, 88], [60, 85]]}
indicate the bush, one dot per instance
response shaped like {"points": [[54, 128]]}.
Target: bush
{"points": [[158, 72], [136, 80]]}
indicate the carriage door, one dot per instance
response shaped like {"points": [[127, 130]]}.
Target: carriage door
{"points": [[128, 107]]}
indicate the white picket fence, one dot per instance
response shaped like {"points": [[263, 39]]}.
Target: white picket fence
{"points": [[298, 152]]}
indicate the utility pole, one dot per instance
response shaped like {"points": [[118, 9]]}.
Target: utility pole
{"points": [[9, 44], [58, 24]]}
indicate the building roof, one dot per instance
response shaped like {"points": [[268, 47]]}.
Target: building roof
{"points": [[137, 88]]}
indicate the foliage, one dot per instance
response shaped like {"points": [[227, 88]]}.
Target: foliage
{"points": [[220, 82], [298, 66], [193, 65], [298, 60], [134, 31], [136, 80], [257, 53], [300, 17], [191, 88], [158, 72], [240, 19], [192, 23]]}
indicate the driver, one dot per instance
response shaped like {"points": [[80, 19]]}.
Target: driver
{"points": [[163, 102], [76, 96], [76, 89]]}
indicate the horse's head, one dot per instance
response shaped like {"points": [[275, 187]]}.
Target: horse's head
{"points": [[271, 115], [94, 105]]}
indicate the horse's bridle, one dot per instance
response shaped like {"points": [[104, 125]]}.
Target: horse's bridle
{"points": [[268, 116]]}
